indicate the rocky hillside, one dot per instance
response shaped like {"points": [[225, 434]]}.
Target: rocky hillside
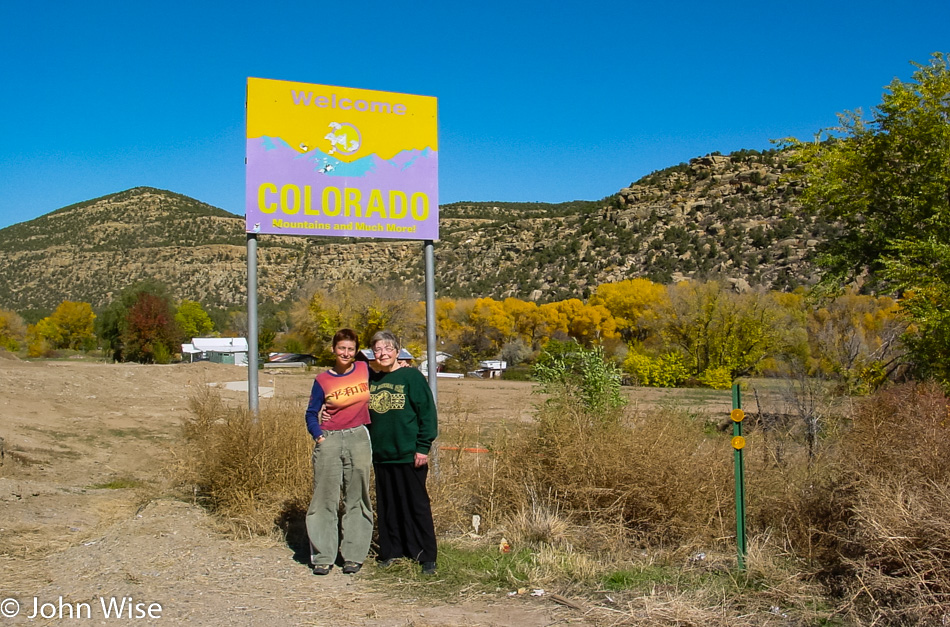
{"points": [[733, 217]]}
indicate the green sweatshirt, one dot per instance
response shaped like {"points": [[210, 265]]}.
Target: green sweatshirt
{"points": [[403, 413]]}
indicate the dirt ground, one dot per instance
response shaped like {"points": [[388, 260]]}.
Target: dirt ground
{"points": [[86, 447], [85, 520]]}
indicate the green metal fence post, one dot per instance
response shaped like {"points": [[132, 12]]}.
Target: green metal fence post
{"points": [[738, 443]]}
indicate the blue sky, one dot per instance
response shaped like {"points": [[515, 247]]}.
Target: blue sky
{"points": [[538, 101]]}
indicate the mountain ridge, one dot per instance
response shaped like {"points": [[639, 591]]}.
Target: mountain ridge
{"points": [[734, 217]]}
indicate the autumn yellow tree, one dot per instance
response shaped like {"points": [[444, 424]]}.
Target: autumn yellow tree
{"points": [[635, 305], [364, 308], [12, 330], [71, 326], [451, 320], [554, 323], [857, 337], [588, 324], [492, 325], [193, 320], [525, 317], [722, 333]]}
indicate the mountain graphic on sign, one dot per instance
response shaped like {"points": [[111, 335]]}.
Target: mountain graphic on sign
{"points": [[407, 164]]}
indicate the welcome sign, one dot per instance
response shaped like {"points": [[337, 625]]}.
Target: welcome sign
{"points": [[340, 161]]}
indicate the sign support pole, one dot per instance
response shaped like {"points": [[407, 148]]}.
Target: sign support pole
{"points": [[430, 334], [430, 318], [252, 391]]}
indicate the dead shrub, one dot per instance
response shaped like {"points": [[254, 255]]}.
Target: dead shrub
{"points": [[903, 431], [463, 479], [650, 477], [796, 500], [896, 552], [540, 525], [247, 468]]}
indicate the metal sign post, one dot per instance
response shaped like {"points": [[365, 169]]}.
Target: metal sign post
{"points": [[252, 390], [430, 319]]}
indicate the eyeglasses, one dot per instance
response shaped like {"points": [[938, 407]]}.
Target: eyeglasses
{"points": [[385, 349]]}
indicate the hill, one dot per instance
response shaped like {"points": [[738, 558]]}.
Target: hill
{"points": [[735, 217]]}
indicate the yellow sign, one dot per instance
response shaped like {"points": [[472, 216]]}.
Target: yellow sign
{"points": [[738, 442], [737, 415], [326, 160]]}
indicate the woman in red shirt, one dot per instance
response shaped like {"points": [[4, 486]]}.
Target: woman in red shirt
{"points": [[342, 456]]}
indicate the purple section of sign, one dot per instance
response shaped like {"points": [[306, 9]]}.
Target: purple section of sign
{"points": [[293, 193]]}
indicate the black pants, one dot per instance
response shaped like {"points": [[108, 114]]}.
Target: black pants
{"points": [[403, 513]]}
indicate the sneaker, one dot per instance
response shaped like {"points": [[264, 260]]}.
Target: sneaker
{"points": [[351, 568], [428, 568], [321, 569]]}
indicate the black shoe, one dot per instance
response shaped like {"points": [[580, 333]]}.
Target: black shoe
{"points": [[321, 569], [386, 563], [428, 568], [351, 568]]}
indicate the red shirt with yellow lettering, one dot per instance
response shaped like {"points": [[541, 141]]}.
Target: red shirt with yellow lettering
{"points": [[346, 397]]}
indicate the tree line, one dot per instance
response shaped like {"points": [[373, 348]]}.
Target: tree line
{"points": [[703, 333]]}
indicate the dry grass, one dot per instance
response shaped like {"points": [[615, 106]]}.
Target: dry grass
{"points": [[248, 469], [897, 547], [650, 478], [635, 512]]}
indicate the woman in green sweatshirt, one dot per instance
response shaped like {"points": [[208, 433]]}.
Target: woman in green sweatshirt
{"points": [[404, 424]]}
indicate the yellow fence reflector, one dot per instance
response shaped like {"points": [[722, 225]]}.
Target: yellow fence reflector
{"points": [[737, 415], [738, 442]]}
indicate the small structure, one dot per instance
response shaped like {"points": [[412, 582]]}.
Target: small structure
{"points": [[221, 350], [440, 358], [404, 357], [490, 369], [289, 360]]}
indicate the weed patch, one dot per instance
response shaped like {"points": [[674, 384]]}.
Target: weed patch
{"points": [[119, 483]]}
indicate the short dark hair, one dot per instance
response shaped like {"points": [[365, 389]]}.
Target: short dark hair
{"points": [[346, 334]]}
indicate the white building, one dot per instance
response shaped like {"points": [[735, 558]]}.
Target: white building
{"points": [[490, 369], [222, 350]]}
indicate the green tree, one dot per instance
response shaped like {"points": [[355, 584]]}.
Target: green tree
{"points": [[720, 330], [193, 320], [886, 182], [49, 332], [927, 304]]}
